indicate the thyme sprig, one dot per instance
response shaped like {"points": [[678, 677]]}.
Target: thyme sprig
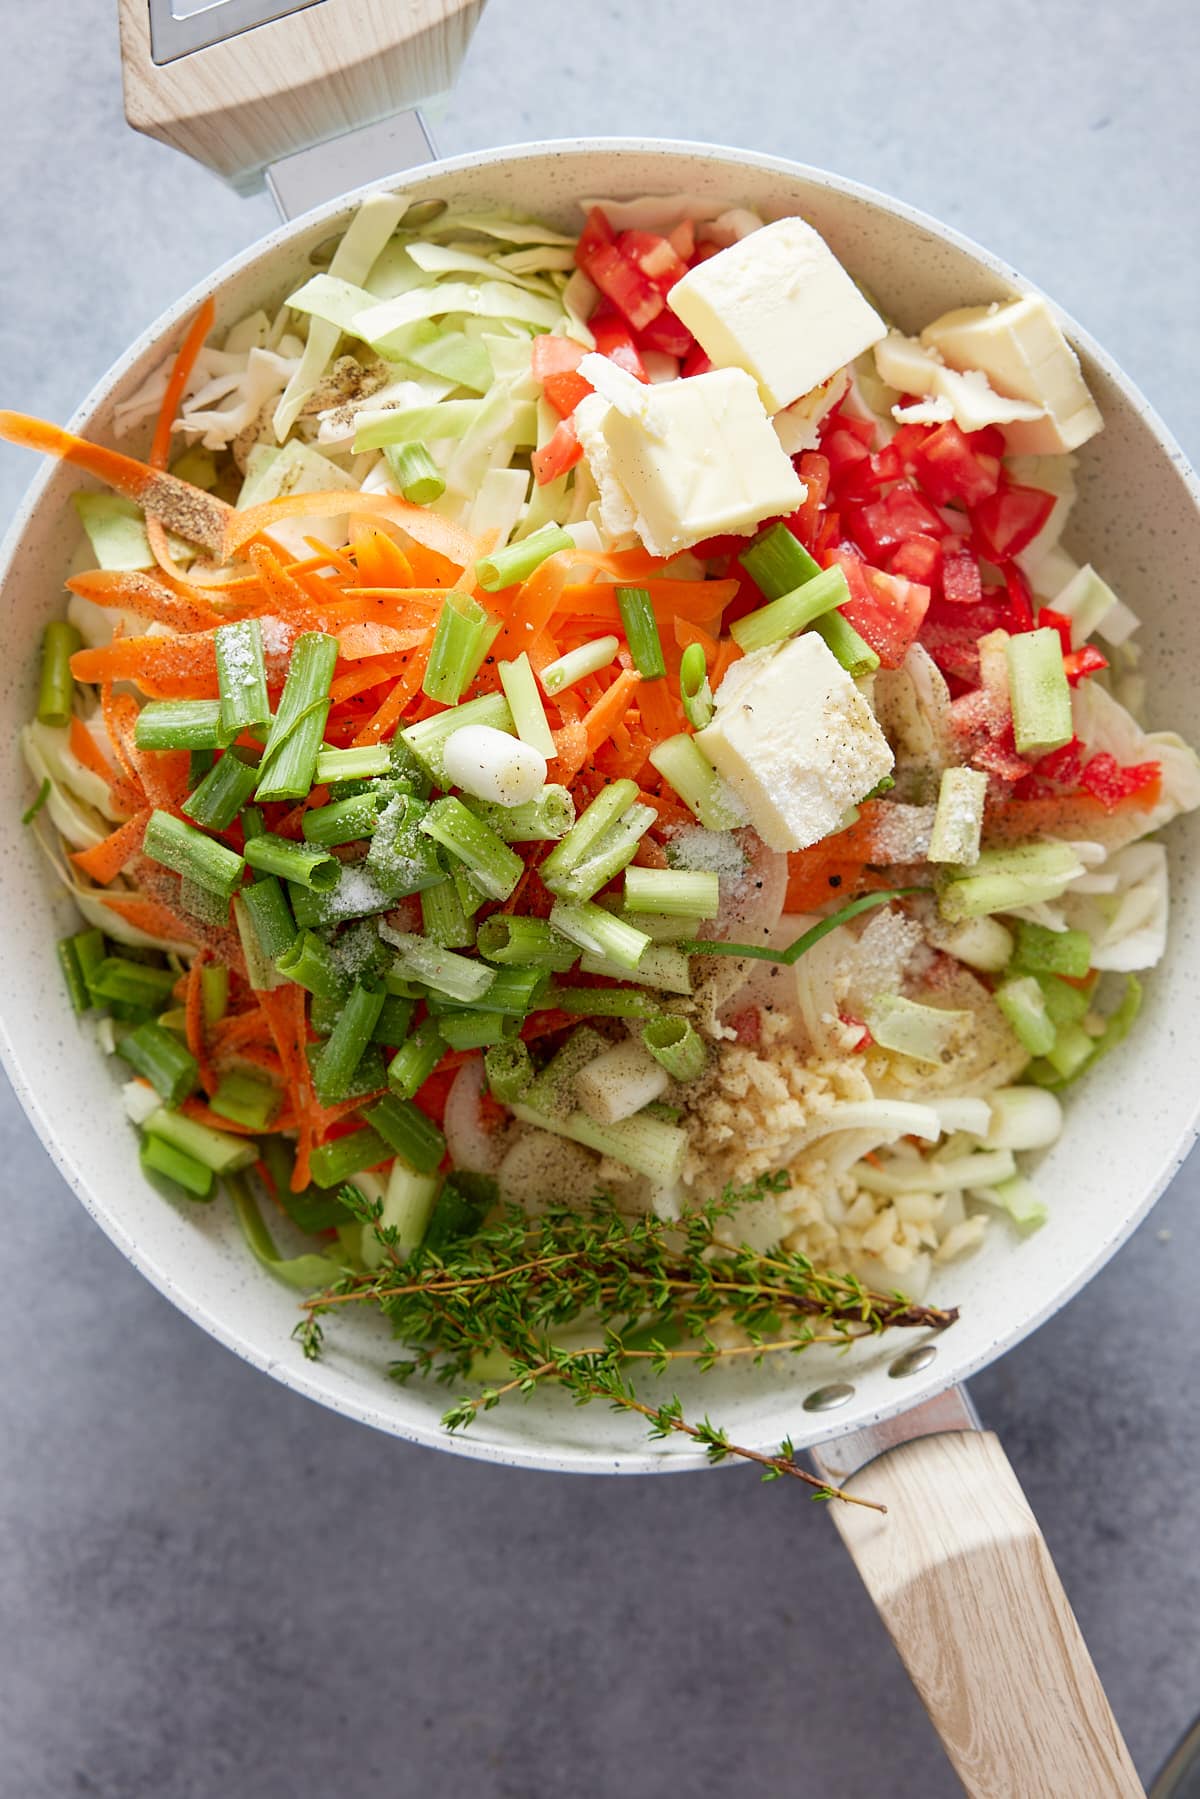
{"points": [[642, 1292]]}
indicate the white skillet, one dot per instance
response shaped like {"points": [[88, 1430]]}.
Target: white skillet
{"points": [[957, 1567]]}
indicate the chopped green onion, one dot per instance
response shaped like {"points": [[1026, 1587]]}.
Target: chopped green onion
{"points": [[694, 688], [553, 1090], [358, 763], [542, 820], [158, 1055], [218, 1150], [683, 893], [660, 927], [1065, 1004], [369, 1077], [515, 992], [297, 863], [509, 1070], [245, 1098], [189, 852], [1004, 879], [252, 822], [298, 727], [305, 1272], [1023, 1004], [394, 1021], [460, 1208], [612, 852], [40, 798], [777, 562], [458, 977], [647, 1145], [589, 828], [677, 1044], [1071, 1051], [514, 941], [197, 902], [791, 612], [343, 1049], [473, 1030], [1019, 1199], [504, 568], [90, 952], [180, 725], [337, 1162], [464, 635], [604, 1002], [77, 987], [1042, 951], [660, 966], [926, 1033], [442, 917], [57, 688], [588, 659], [241, 676], [792, 954], [127, 983], [856, 656], [158, 1157], [427, 739], [491, 863], [470, 895], [223, 792], [357, 895], [525, 704], [214, 992], [270, 915], [400, 857], [346, 821], [683, 766], [408, 1131], [599, 933], [309, 962], [641, 632], [958, 821], [416, 1059], [415, 472], [1040, 693], [619, 1082], [261, 972]]}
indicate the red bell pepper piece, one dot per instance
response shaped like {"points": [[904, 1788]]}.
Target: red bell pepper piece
{"points": [[890, 521], [886, 610], [561, 452], [1062, 766], [1006, 522], [597, 234], [919, 558], [849, 461], [1086, 661], [961, 583], [1104, 778], [1020, 601], [949, 467], [1056, 621], [813, 470], [655, 256]]}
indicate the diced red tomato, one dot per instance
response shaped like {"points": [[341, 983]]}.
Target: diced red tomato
{"points": [[1086, 661], [886, 610], [683, 240], [620, 280], [909, 438], [565, 391], [668, 334], [886, 465], [887, 522], [728, 544], [848, 457], [1063, 766], [813, 470], [1020, 600], [997, 759], [949, 467], [554, 362], [613, 340], [597, 234], [695, 362], [702, 252], [1006, 522], [951, 634], [1107, 781], [919, 558], [961, 583], [560, 453], [655, 256], [863, 429]]}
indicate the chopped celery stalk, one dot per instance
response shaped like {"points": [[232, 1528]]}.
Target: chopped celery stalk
{"points": [[525, 703], [362, 762], [216, 1149], [588, 659], [416, 1059], [1019, 1199], [647, 1145], [980, 1168], [514, 941], [415, 472], [1023, 1118], [293, 744], [926, 1033], [254, 928], [958, 821], [777, 562], [458, 977], [180, 725], [541, 820], [245, 1098], [981, 943], [694, 688], [661, 967], [394, 1021], [408, 1203], [339, 1161], [1042, 951], [309, 962], [1071, 1050], [400, 859], [241, 676], [307, 1273], [300, 864], [473, 1030], [504, 568], [491, 863], [509, 1070], [1041, 696], [464, 635], [684, 767], [339, 1056], [77, 987], [618, 1082], [856, 656], [443, 920], [791, 612], [163, 1060], [121, 982], [599, 933], [1024, 1006], [59, 643], [676, 1043], [682, 893], [345, 821], [408, 1131], [604, 1002], [427, 739], [1064, 1003], [1004, 879], [641, 632], [585, 834], [159, 1157]]}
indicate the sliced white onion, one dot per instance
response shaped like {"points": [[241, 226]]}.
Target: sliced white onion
{"points": [[471, 1145], [1023, 1118]]}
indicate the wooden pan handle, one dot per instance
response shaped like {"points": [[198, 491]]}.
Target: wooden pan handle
{"points": [[293, 82], [962, 1577]]}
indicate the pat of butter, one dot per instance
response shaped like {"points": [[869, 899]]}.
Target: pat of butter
{"points": [[966, 396], [682, 460], [1020, 347], [779, 305], [796, 740]]}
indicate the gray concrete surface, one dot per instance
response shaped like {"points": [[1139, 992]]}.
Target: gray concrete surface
{"points": [[209, 1587]]}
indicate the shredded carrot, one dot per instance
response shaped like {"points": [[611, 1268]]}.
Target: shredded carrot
{"points": [[164, 668], [533, 607], [383, 722], [238, 1031], [610, 708], [359, 641], [185, 361], [570, 750], [661, 713], [727, 654], [380, 562], [427, 528], [151, 916], [85, 749], [331, 558], [686, 632], [141, 593], [285, 1010], [104, 862]]}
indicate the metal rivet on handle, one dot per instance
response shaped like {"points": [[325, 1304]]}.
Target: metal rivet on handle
{"points": [[827, 1399], [912, 1361]]}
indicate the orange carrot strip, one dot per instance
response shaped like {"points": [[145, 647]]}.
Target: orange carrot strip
{"points": [[167, 668], [141, 593], [727, 654], [188, 510], [570, 750], [533, 607], [236, 1032], [662, 716], [360, 641], [185, 361], [610, 708], [331, 558], [698, 600], [151, 916], [85, 749], [385, 719], [380, 561], [426, 528], [104, 862]]}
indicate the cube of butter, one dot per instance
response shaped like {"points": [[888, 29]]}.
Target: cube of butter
{"points": [[683, 460], [779, 305], [796, 740], [1020, 347]]}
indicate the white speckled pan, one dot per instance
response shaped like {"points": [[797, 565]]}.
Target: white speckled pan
{"points": [[1129, 1125]]}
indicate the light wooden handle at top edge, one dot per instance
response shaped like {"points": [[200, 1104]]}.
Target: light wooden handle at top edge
{"points": [[293, 82], [962, 1577]]}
